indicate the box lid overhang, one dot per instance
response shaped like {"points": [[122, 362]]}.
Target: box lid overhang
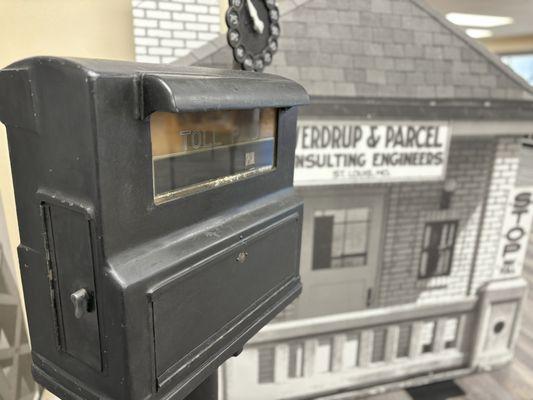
{"points": [[172, 88], [175, 92]]}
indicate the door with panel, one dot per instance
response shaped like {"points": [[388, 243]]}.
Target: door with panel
{"points": [[340, 250]]}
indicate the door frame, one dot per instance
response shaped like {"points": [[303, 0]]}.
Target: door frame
{"points": [[351, 190]]}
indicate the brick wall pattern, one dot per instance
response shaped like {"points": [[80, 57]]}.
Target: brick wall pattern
{"points": [[484, 169], [411, 205], [167, 30]]}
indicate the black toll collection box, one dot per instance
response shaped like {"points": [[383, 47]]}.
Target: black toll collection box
{"points": [[159, 226]]}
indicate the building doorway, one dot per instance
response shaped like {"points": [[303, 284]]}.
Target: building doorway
{"points": [[340, 250]]}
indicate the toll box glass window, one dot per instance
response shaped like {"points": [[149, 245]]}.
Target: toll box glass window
{"points": [[194, 151]]}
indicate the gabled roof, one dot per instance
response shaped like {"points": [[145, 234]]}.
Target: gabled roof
{"points": [[378, 48]]}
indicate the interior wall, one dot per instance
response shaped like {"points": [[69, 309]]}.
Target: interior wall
{"points": [[223, 9], [80, 28], [74, 28]]}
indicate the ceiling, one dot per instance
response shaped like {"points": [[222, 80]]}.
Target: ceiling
{"points": [[520, 10]]}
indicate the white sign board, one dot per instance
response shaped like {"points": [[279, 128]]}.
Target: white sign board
{"points": [[515, 232], [345, 152]]}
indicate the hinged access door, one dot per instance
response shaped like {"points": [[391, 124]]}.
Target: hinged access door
{"points": [[71, 271]]}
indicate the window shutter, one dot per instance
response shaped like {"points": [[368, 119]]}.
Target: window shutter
{"points": [[323, 237]]}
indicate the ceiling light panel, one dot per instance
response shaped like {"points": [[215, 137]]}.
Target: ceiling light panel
{"points": [[478, 21], [479, 33]]}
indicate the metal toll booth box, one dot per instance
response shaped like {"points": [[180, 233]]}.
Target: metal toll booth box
{"points": [[159, 226]]}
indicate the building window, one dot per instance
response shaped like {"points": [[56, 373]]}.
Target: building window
{"points": [[267, 358], [437, 248], [341, 238], [296, 360]]}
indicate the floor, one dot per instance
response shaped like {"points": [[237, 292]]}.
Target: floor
{"points": [[514, 382]]}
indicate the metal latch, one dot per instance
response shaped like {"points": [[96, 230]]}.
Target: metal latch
{"points": [[80, 299]]}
